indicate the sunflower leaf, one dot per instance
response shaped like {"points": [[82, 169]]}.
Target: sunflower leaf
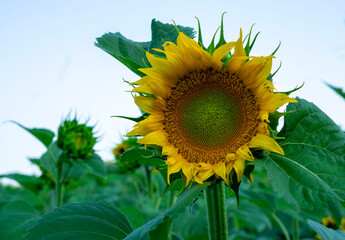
{"points": [[32, 183], [87, 220], [337, 90], [45, 136], [326, 233], [15, 218], [142, 233], [311, 173], [125, 50], [162, 33]]}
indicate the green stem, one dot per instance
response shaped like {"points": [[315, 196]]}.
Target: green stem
{"points": [[58, 187], [282, 226], [295, 229], [149, 182], [216, 212], [171, 201]]}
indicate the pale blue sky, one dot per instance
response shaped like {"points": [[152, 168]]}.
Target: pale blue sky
{"points": [[49, 66]]}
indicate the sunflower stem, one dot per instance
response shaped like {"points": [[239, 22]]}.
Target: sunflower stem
{"points": [[216, 212], [295, 229], [58, 187], [149, 182], [282, 226]]}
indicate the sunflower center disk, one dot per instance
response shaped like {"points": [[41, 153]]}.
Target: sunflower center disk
{"points": [[210, 114], [210, 118]]}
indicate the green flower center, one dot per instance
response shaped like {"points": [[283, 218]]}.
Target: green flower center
{"points": [[210, 118]]}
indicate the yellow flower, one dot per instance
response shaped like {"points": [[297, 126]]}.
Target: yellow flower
{"points": [[206, 115], [329, 222], [120, 148]]}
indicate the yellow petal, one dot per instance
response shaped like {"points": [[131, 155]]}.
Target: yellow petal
{"points": [[239, 168], [277, 100], [150, 105], [201, 176], [265, 142], [188, 171], [239, 50], [152, 123], [245, 153], [255, 71], [159, 138], [169, 150], [173, 169], [221, 52], [221, 172], [231, 157]]}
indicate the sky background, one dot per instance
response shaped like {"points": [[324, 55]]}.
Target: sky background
{"points": [[50, 67]]}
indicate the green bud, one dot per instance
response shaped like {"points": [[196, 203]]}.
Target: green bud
{"points": [[76, 140]]}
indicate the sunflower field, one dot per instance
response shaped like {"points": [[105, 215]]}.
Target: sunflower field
{"points": [[217, 153]]}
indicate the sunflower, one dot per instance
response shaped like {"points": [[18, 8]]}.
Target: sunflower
{"points": [[206, 113]]}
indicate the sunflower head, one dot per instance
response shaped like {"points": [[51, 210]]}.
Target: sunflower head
{"points": [[124, 145], [76, 140], [208, 107]]}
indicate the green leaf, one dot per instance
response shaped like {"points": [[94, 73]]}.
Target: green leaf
{"points": [[326, 233], [337, 90], [50, 159], [185, 200], [45, 136], [93, 165], [125, 50], [311, 173], [139, 153], [32, 183], [15, 218], [162, 33], [87, 221]]}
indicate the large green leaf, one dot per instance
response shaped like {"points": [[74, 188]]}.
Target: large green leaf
{"points": [[32, 183], [326, 233], [125, 50], [45, 136], [15, 218], [142, 233], [132, 54], [162, 33], [87, 221], [311, 173]]}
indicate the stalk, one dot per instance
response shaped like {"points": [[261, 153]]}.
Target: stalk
{"points": [[295, 229], [58, 187], [216, 212], [282, 226], [149, 182]]}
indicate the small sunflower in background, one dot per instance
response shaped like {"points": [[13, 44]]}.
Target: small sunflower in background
{"points": [[124, 145], [208, 107]]}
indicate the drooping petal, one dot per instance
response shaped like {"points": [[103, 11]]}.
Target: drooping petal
{"points": [[245, 153], [265, 142], [221, 171], [188, 171], [173, 168], [239, 168]]}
